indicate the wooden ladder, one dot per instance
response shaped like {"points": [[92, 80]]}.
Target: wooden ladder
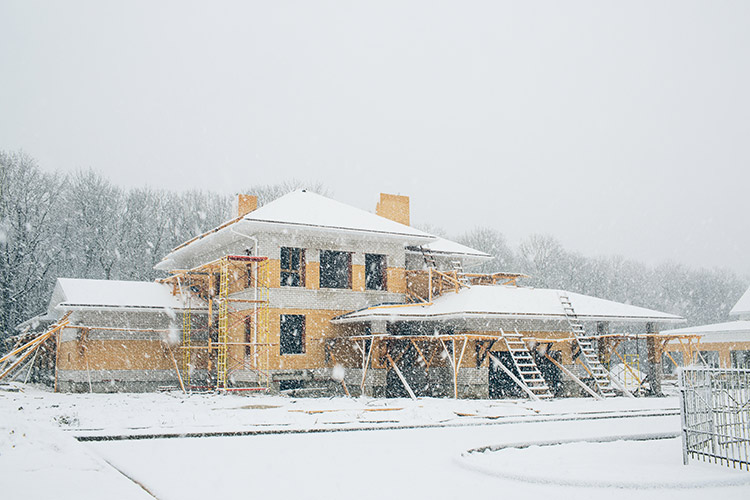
{"points": [[525, 364], [588, 353], [429, 257]]}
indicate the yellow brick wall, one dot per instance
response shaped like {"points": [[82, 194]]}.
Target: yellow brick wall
{"points": [[394, 207], [114, 355], [274, 272], [317, 330], [396, 280], [358, 278], [312, 275]]}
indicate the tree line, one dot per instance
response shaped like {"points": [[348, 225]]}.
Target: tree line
{"points": [[81, 225]]}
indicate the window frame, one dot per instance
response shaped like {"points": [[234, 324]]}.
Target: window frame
{"points": [[290, 272]]}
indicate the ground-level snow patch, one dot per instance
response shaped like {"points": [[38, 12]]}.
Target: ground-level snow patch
{"points": [[40, 462], [637, 462]]}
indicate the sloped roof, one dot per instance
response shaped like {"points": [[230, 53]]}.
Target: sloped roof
{"points": [[444, 246], [731, 331], [305, 208], [742, 306], [510, 302], [76, 294], [306, 211]]}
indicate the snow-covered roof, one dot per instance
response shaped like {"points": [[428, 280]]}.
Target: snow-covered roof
{"points": [[510, 302], [448, 247], [80, 294], [303, 210], [742, 307], [731, 331]]}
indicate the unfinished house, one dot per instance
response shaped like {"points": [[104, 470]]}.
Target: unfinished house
{"points": [[719, 345], [310, 295]]}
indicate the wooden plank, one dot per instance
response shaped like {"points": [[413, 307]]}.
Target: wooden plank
{"points": [[401, 377], [177, 370], [515, 379], [578, 381], [25, 355], [419, 351], [366, 365]]}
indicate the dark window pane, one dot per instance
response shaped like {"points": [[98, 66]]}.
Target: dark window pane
{"points": [[292, 334], [289, 385], [292, 264], [285, 257], [335, 269], [375, 272], [290, 279]]}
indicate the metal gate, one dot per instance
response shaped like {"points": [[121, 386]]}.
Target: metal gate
{"points": [[715, 412]]}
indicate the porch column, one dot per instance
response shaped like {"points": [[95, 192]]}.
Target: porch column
{"points": [[655, 372], [602, 328]]}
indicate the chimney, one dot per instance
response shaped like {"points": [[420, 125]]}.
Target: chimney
{"points": [[246, 203], [394, 207]]}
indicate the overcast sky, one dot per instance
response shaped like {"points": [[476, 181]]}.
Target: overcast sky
{"points": [[618, 127]]}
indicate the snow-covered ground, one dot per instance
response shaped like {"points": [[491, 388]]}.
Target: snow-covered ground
{"points": [[280, 447]]}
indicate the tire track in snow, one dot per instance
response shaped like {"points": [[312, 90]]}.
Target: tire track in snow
{"points": [[510, 420]]}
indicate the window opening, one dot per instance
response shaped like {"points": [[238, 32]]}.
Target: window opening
{"points": [[292, 266], [335, 269], [375, 272], [292, 334]]}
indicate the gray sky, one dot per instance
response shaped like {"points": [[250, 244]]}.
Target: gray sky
{"points": [[618, 127]]}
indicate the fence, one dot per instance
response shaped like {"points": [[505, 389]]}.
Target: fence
{"points": [[715, 411]]}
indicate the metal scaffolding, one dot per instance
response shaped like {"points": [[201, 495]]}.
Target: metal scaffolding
{"points": [[234, 321]]}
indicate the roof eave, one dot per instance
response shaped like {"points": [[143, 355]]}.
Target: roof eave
{"points": [[121, 308], [170, 260], [487, 315], [460, 254]]}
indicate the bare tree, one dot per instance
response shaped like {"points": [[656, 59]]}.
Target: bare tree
{"points": [[493, 242], [29, 238]]}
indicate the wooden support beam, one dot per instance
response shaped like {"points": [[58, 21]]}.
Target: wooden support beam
{"points": [[176, 369], [26, 354], [366, 365], [654, 361], [574, 378], [419, 351], [483, 349], [401, 377], [515, 379], [671, 358], [453, 364], [343, 382]]}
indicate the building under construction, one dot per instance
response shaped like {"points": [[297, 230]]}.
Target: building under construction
{"points": [[310, 295]]}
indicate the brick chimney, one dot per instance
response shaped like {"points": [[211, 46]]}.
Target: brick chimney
{"points": [[394, 207], [246, 203]]}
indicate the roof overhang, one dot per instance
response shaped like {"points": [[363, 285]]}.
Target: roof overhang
{"points": [[375, 314], [243, 228], [63, 306]]}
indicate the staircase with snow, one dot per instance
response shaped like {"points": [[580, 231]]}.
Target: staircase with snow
{"points": [[525, 364], [588, 353]]}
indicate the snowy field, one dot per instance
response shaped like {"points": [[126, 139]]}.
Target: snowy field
{"points": [[173, 446]]}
